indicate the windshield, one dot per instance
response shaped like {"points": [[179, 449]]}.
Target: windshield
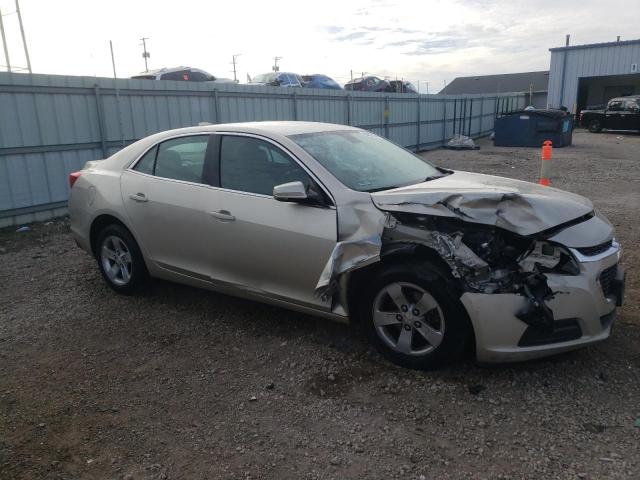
{"points": [[264, 78], [364, 161]]}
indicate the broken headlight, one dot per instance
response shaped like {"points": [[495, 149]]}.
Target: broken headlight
{"points": [[549, 257]]}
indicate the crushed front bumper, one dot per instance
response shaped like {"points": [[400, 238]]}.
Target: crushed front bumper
{"points": [[584, 308]]}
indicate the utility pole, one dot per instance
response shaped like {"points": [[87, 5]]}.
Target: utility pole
{"points": [[276, 68], [113, 59], [351, 74], [145, 54], [234, 60], [4, 44], [24, 39]]}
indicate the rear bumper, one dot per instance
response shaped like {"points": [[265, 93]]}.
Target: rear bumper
{"points": [[583, 313]]}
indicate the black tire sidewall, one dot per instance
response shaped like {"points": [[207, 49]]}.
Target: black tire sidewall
{"points": [[457, 331], [594, 126], [138, 267]]}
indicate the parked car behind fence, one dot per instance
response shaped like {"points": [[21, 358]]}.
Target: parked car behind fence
{"points": [[182, 74], [318, 80], [277, 79], [400, 86], [369, 84]]}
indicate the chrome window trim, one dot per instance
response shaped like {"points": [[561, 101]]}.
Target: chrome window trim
{"points": [[132, 165]]}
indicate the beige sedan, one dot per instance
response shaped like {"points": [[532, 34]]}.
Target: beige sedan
{"points": [[335, 221]]}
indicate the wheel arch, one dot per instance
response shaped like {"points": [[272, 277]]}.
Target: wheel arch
{"points": [[100, 222], [396, 253]]}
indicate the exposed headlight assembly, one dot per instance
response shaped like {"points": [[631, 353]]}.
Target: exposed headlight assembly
{"points": [[549, 258]]}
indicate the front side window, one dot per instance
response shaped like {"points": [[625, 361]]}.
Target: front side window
{"points": [[365, 162], [252, 165], [182, 158], [616, 106]]}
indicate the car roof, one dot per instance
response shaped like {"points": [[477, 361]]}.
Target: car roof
{"points": [[628, 97], [159, 71], [282, 128]]}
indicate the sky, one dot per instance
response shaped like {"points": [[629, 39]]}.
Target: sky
{"points": [[427, 42]]}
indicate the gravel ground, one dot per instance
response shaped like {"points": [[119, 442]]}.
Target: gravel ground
{"points": [[181, 383]]}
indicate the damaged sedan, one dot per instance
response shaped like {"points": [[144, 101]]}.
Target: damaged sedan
{"points": [[335, 221]]}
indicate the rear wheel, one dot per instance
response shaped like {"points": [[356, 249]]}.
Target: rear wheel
{"points": [[413, 318], [595, 126], [120, 260]]}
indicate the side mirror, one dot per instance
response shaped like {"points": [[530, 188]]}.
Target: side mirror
{"points": [[290, 192]]}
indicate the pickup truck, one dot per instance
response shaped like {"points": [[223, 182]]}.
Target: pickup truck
{"points": [[622, 113]]}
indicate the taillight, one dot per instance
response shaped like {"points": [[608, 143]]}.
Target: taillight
{"points": [[73, 177]]}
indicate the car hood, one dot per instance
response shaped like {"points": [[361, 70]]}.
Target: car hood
{"points": [[521, 207]]}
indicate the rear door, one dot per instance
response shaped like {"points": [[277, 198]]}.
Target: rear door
{"points": [[270, 247], [164, 195], [630, 118]]}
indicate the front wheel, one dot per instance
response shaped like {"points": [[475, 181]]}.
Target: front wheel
{"points": [[595, 126], [120, 260], [412, 316]]}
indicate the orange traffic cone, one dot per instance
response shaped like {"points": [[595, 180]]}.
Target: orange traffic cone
{"points": [[545, 168]]}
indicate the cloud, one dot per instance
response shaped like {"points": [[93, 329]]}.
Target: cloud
{"points": [[332, 29], [350, 36]]}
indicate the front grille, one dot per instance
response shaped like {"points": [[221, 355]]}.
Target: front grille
{"points": [[608, 280], [595, 250], [563, 331]]}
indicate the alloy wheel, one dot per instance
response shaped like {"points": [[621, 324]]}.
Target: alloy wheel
{"points": [[116, 260], [408, 319]]}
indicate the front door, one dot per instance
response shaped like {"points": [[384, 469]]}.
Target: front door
{"points": [[259, 243], [164, 197], [613, 115]]}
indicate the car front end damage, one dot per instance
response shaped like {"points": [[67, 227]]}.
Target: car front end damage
{"points": [[537, 269]]}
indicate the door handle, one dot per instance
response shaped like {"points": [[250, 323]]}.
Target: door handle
{"points": [[139, 197], [223, 215]]}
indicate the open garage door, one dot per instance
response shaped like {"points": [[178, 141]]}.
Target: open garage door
{"points": [[595, 92]]}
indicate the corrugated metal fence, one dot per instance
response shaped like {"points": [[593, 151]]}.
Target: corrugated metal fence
{"points": [[51, 125]]}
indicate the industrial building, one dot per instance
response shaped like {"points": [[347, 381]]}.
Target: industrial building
{"points": [[582, 76], [533, 84]]}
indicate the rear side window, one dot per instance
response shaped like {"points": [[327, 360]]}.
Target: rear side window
{"points": [[182, 158], [147, 162], [251, 165]]}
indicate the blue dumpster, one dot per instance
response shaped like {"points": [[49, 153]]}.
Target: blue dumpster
{"points": [[530, 128]]}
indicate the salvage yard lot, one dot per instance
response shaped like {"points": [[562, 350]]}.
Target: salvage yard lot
{"points": [[181, 383]]}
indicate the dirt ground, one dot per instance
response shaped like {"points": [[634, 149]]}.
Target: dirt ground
{"points": [[178, 383]]}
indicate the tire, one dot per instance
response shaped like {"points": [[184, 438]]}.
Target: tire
{"points": [[120, 260], [424, 309], [595, 126]]}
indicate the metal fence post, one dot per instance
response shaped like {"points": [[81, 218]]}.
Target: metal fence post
{"points": [[470, 116], [444, 120], [386, 117], [481, 116], [103, 144], [348, 99], [119, 112], [418, 127], [216, 105], [295, 105]]}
